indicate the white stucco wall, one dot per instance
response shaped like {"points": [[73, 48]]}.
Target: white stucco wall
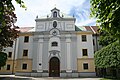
{"points": [[22, 45], [85, 45]]}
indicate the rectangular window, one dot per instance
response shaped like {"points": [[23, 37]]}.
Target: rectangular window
{"points": [[25, 52], [85, 66], [84, 52], [26, 39], [24, 66], [9, 54], [84, 38], [54, 44], [93, 42], [8, 66]]}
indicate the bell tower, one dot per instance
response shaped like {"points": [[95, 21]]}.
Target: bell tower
{"points": [[55, 13]]}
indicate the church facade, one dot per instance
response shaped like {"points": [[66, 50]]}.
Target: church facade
{"points": [[55, 47]]}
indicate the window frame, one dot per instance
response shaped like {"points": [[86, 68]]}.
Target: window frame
{"points": [[26, 39], [54, 14], [93, 42], [25, 52], [84, 38], [85, 66], [54, 44], [84, 52], [8, 68], [24, 66]]}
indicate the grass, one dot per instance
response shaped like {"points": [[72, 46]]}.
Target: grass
{"points": [[109, 79]]}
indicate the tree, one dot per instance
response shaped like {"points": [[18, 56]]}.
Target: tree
{"points": [[8, 30], [108, 57], [107, 13], [3, 58], [106, 38]]}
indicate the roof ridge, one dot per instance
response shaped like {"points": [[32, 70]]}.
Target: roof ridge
{"points": [[92, 29]]}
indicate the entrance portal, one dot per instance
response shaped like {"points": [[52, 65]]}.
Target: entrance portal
{"points": [[54, 67]]}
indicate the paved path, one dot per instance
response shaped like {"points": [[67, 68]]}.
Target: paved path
{"points": [[13, 77], [66, 78]]}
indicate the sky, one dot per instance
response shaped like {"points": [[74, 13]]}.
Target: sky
{"points": [[79, 8]]}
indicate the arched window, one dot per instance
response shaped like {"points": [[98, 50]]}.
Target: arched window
{"points": [[54, 44], [55, 14]]}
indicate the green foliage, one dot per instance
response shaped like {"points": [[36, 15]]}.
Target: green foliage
{"points": [[105, 79], [8, 30], [109, 79], [108, 56], [107, 12], [3, 58], [106, 38], [7, 7]]}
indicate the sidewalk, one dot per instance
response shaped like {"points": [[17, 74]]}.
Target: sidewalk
{"points": [[13, 77]]}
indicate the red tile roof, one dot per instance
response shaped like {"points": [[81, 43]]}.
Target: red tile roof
{"points": [[94, 29], [25, 29], [88, 28]]}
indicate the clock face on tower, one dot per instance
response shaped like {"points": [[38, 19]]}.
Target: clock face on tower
{"points": [[54, 33], [54, 24]]}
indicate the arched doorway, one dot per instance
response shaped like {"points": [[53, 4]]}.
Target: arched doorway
{"points": [[54, 67]]}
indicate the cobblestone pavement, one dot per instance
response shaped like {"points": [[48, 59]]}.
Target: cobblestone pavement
{"points": [[12, 77]]}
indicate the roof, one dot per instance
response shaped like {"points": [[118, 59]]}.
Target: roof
{"points": [[94, 29], [77, 29], [26, 29], [80, 28], [55, 9], [88, 28]]}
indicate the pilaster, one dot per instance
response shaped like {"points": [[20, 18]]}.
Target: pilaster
{"points": [[39, 56], [68, 42], [16, 47]]}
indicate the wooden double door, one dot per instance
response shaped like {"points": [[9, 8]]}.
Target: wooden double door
{"points": [[54, 67]]}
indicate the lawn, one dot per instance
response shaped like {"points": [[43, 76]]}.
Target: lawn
{"points": [[109, 79]]}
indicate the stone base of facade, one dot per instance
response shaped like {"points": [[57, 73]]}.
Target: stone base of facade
{"points": [[65, 74], [6, 73], [69, 74], [87, 74]]}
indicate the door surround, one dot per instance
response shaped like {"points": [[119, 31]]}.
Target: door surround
{"points": [[54, 67]]}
